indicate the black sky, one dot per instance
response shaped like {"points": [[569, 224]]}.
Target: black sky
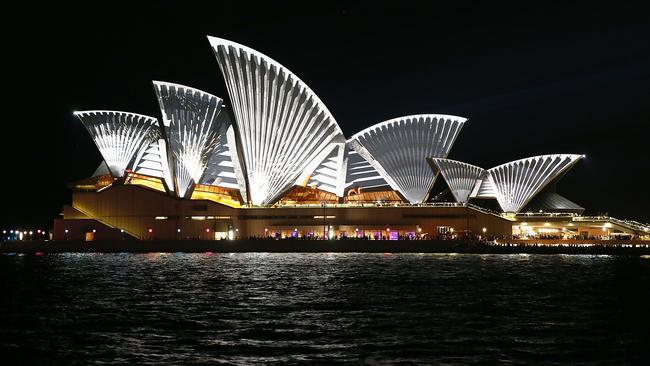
{"points": [[535, 79]]}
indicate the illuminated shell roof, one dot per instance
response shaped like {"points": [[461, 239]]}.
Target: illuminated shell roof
{"points": [[196, 131], [360, 173], [284, 135], [398, 149], [119, 136], [283, 126], [517, 182], [460, 177], [329, 174], [153, 161]]}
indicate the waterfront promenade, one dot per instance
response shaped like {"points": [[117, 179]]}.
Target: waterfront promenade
{"points": [[549, 246]]}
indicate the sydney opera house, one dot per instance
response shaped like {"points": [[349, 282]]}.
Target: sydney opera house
{"points": [[273, 162]]}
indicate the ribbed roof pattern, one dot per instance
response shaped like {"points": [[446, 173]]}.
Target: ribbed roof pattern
{"points": [[484, 188], [283, 134], [282, 124], [153, 161], [220, 170], [460, 177], [194, 131], [516, 182], [329, 175], [119, 136], [398, 149], [360, 173]]}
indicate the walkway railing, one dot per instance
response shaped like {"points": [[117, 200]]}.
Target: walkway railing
{"points": [[546, 214], [370, 204], [630, 224]]}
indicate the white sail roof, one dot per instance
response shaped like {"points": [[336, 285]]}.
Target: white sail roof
{"points": [[329, 175], [461, 177], [516, 182], [196, 132], [360, 173], [283, 126], [119, 136], [223, 166], [483, 188], [398, 149], [152, 160]]}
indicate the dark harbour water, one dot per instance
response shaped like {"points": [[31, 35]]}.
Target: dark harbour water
{"points": [[191, 309]]}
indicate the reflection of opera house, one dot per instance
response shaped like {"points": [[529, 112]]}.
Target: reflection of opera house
{"points": [[275, 163]]}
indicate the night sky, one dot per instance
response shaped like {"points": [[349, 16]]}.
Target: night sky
{"points": [[536, 80]]}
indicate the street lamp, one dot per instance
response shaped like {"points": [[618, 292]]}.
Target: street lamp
{"points": [[325, 236]]}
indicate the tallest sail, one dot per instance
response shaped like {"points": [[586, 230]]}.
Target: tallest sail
{"points": [[282, 124]]}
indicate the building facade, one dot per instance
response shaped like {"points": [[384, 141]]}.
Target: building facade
{"points": [[275, 163]]}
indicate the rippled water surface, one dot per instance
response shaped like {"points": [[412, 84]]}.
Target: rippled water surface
{"points": [[324, 309]]}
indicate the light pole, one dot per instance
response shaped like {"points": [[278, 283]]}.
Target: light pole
{"points": [[324, 222]]}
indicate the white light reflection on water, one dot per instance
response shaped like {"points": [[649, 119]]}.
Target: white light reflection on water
{"points": [[250, 308]]}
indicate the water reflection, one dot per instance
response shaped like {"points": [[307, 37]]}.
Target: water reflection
{"points": [[324, 308]]}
